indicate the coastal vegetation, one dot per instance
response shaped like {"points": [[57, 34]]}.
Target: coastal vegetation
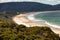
{"points": [[11, 31]]}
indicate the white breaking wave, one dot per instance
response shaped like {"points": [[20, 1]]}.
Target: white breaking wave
{"points": [[31, 17], [55, 26]]}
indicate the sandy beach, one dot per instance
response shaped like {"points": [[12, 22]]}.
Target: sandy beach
{"points": [[22, 19]]}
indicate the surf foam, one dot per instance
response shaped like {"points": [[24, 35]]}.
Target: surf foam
{"points": [[31, 17]]}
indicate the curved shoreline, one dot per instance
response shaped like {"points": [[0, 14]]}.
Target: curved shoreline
{"points": [[22, 19], [32, 18]]}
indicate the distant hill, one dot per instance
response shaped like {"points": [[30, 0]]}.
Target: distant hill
{"points": [[24, 6], [56, 7], [27, 6]]}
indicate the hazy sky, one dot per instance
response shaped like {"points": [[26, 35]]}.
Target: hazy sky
{"points": [[51, 2]]}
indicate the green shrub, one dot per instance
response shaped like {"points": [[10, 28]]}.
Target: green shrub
{"points": [[12, 31]]}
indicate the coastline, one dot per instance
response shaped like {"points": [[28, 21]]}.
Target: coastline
{"points": [[31, 17], [22, 19]]}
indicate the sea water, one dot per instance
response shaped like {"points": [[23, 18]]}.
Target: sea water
{"points": [[51, 18]]}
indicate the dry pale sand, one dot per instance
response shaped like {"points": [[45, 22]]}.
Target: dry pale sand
{"points": [[21, 19]]}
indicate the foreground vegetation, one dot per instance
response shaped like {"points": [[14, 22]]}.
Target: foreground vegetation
{"points": [[12, 31]]}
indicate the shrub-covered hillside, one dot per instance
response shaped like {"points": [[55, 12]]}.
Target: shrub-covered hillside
{"points": [[12, 31]]}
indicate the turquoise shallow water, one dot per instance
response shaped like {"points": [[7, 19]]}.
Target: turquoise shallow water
{"points": [[51, 17]]}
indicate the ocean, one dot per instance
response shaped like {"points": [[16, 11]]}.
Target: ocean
{"points": [[51, 18]]}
